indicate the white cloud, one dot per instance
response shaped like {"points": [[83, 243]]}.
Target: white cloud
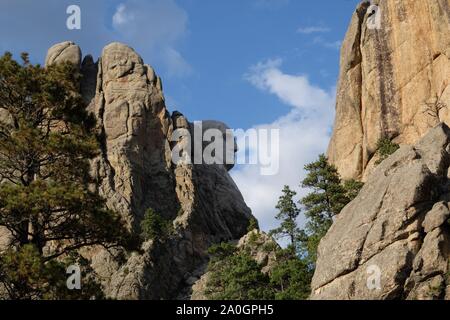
{"points": [[121, 16], [294, 90], [304, 134], [154, 28], [313, 29]]}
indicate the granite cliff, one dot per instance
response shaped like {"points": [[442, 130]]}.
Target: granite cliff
{"points": [[394, 79], [393, 240], [135, 172]]}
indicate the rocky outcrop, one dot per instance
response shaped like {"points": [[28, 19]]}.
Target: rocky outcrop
{"points": [[135, 168], [258, 245], [261, 247], [64, 52], [393, 240], [394, 80], [135, 172]]}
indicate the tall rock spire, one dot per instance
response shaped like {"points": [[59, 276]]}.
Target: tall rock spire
{"points": [[390, 74], [393, 240], [135, 172]]}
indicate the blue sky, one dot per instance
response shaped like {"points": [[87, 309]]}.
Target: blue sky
{"points": [[248, 63], [227, 37]]}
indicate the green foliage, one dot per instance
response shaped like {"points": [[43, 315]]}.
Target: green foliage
{"points": [[25, 275], [352, 188], [253, 237], [236, 276], [253, 225], [328, 197], [291, 277], [155, 227], [47, 139], [270, 247], [288, 213], [222, 250], [385, 147], [90, 282]]}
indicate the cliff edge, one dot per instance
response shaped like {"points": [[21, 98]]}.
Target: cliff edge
{"points": [[394, 80]]}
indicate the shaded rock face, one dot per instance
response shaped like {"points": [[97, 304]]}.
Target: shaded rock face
{"points": [[393, 240], [388, 76], [135, 172]]}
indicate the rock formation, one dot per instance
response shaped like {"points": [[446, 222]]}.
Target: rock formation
{"points": [[135, 172], [64, 52], [394, 80], [259, 245], [393, 240]]}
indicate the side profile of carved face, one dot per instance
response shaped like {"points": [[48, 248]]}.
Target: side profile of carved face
{"points": [[218, 152]]}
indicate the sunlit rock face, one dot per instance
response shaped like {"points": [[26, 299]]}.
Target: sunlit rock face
{"points": [[394, 66], [136, 172], [393, 240], [64, 52]]}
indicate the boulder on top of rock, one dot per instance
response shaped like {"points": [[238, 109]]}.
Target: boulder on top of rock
{"points": [[64, 52]]}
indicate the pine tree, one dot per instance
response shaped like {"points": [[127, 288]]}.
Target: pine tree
{"points": [[25, 275], [385, 147], [235, 275], [352, 188], [291, 276], [288, 213], [327, 199], [155, 227], [47, 195]]}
